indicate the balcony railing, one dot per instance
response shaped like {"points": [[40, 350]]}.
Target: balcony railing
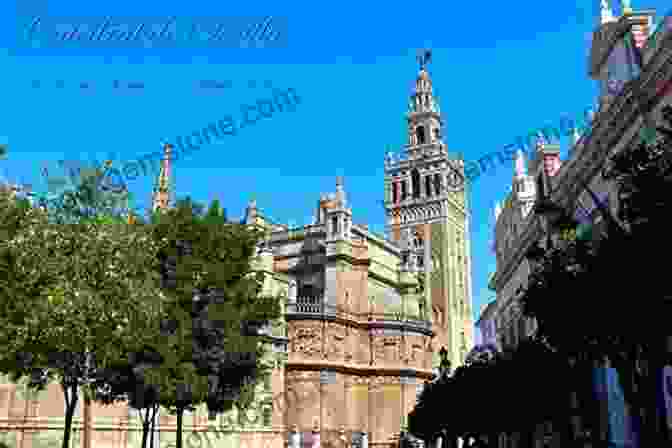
{"points": [[312, 305], [316, 306]]}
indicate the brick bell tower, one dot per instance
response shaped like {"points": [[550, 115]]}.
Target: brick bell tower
{"points": [[427, 211]]}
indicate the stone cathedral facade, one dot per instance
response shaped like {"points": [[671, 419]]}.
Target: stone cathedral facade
{"points": [[363, 321]]}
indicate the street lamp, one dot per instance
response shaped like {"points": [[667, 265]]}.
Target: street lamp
{"points": [[556, 218], [444, 366]]}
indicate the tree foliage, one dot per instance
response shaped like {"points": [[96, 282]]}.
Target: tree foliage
{"points": [[74, 297], [581, 293], [483, 391], [213, 311], [89, 198]]}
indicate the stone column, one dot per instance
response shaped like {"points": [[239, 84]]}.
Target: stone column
{"points": [[365, 440], [291, 295]]}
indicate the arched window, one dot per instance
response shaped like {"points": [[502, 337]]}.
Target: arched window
{"points": [[415, 180], [420, 134], [437, 184], [428, 185], [541, 191]]}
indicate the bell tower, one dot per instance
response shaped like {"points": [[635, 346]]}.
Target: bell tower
{"points": [[427, 214]]}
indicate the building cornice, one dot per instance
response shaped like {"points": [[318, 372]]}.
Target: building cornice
{"points": [[353, 369], [371, 237], [349, 259]]}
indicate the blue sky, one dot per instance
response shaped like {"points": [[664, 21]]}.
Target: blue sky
{"points": [[499, 70]]}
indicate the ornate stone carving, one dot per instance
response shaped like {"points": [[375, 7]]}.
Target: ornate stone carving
{"points": [[306, 340], [299, 375], [415, 352], [361, 380], [386, 348], [335, 340], [375, 383]]}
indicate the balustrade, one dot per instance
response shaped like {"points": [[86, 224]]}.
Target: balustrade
{"points": [[316, 305]]}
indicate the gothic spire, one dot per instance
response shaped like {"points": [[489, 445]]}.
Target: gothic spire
{"points": [[422, 99], [576, 136], [521, 170], [162, 190], [340, 192], [625, 7], [606, 15]]}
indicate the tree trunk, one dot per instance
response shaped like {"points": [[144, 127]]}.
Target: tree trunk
{"points": [[155, 410], [145, 427], [87, 421], [178, 434], [70, 406]]}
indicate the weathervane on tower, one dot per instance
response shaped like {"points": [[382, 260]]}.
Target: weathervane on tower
{"points": [[424, 56]]}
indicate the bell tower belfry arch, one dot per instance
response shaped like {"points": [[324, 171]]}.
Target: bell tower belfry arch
{"points": [[427, 214]]}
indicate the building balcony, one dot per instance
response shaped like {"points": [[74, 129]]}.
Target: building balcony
{"points": [[316, 308]]}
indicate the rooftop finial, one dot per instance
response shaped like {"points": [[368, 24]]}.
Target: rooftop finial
{"points": [[625, 7], [605, 12], [424, 57], [520, 164], [576, 136]]}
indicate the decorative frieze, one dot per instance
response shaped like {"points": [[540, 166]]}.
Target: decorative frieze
{"points": [[302, 375], [335, 346], [306, 339]]}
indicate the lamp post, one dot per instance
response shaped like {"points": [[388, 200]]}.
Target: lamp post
{"points": [[444, 366]]}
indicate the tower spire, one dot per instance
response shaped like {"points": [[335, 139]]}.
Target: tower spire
{"points": [[625, 7], [520, 164], [422, 99], [162, 190], [606, 15], [424, 57]]}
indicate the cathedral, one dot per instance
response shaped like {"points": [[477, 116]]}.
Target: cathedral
{"points": [[363, 323]]}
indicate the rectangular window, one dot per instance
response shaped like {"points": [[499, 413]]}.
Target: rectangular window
{"points": [[404, 192], [428, 185], [334, 224], [395, 192]]}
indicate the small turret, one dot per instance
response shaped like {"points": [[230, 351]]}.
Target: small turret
{"points": [[163, 190], [498, 210], [606, 15], [338, 216]]}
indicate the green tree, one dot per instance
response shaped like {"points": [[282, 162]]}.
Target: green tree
{"points": [[90, 197], [216, 307], [74, 299], [631, 335]]}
